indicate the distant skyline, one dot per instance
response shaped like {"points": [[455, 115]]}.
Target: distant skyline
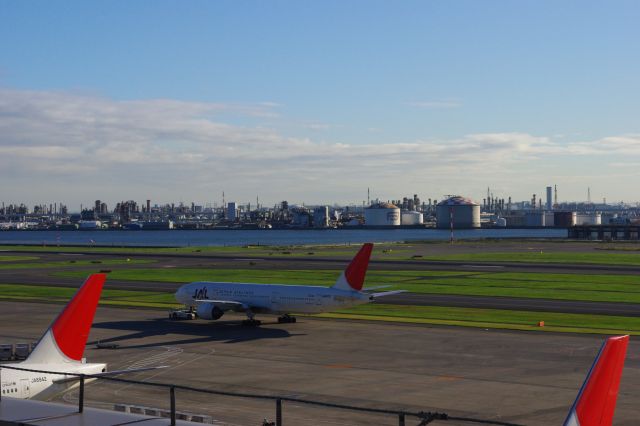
{"points": [[316, 102]]}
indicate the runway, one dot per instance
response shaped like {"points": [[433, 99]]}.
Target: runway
{"points": [[514, 303], [518, 377], [42, 276]]}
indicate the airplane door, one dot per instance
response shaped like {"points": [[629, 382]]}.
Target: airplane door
{"points": [[24, 386]]}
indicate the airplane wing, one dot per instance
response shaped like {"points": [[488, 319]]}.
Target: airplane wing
{"points": [[225, 305], [386, 293], [109, 374]]}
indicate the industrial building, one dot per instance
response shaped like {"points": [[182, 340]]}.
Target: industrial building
{"points": [[458, 211]]}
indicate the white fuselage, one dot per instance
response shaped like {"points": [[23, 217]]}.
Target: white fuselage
{"points": [[26, 384], [272, 298]]}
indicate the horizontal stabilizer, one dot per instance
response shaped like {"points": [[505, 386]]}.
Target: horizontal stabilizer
{"points": [[387, 293], [110, 373], [378, 287]]}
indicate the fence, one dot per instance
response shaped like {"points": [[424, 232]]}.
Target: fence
{"points": [[424, 417]]}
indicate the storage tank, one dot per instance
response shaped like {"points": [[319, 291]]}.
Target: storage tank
{"points": [[501, 222], [515, 221], [534, 219], [564, 219], [89, 224], [382, 214], [588, 219], [321, 217], [548, 219], [412, 218], [466, 213]]}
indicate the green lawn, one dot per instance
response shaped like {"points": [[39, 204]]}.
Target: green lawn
{"points": [[247, 250], [610, 288], [494, 318], [346, 251], [4, 258], [388, 251], [72, 263], [109, 297], [544, 257]]}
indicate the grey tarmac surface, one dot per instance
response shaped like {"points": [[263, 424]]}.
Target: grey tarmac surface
{"points": [[518, 377]]}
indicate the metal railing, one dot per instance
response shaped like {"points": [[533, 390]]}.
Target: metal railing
{"points": [[424, 417]]}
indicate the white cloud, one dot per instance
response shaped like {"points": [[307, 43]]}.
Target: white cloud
{"points": [[60, 145]]}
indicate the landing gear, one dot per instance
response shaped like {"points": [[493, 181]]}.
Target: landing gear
{"points": [[285, 319], [251, 321]]}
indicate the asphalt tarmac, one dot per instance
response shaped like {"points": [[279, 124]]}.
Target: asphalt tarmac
{"points": [[521, 378]]}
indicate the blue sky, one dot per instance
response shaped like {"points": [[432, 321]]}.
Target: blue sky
{"points": [[316, 101]]}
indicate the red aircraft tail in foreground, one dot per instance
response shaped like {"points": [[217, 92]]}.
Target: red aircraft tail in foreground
{"points": [[596, 401]]}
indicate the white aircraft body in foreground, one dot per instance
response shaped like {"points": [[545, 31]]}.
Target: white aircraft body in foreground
{"points": [[211, 300], [60, 350]]}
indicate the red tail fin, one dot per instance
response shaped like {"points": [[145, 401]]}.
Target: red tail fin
{"points": [[357, 269], [596, 401], [71, 328]]}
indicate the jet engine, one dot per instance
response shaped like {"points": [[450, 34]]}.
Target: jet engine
{"points": [[209, 311]]}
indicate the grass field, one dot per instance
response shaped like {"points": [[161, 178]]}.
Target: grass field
{"points": [[4, 258], [493, 318], [109, 297], [246, 251], [604, 288], [602, 254], [602, 258]]}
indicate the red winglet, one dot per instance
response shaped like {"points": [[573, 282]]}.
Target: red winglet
{"points": [[596, 401], [357, 269], [71, 328]]}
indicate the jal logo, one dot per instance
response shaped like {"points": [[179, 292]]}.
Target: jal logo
{"points": [[200, 293]]}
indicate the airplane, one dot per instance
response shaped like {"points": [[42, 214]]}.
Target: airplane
{"points": [[210, 300], [596, 401], [60, 350]]}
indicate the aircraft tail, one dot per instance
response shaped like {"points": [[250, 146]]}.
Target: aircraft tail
{"points": [[353, 277], [596, 401], [66, 338]]}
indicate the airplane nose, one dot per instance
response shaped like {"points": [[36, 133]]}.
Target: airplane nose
{"points": [[179, 295]]}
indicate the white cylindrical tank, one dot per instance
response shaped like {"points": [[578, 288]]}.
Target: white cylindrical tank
{"points": [[412, 218], [464, 212], [382, 214], [549, 219], [89, 224], [588, 219], [501, 222]]}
